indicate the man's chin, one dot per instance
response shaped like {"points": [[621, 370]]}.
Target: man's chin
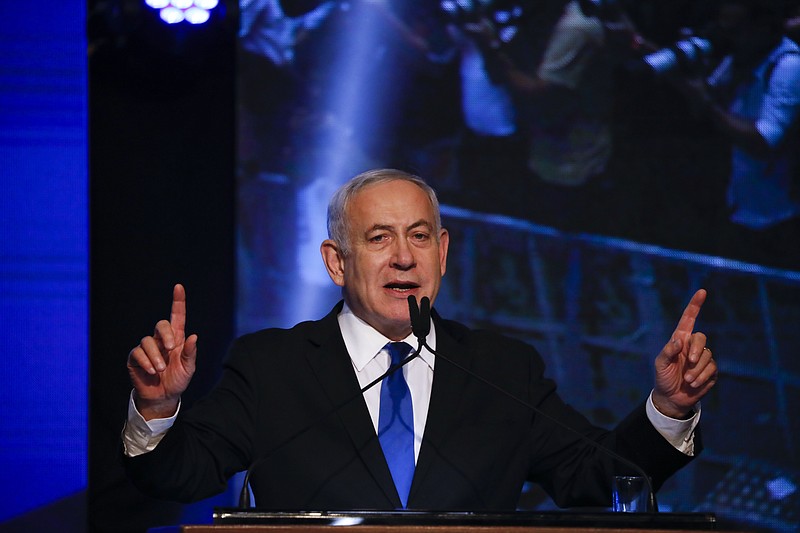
{"points": [[397, 325]]}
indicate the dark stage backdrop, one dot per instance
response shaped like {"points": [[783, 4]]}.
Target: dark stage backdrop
{"points": [[161, 188], [582, 219]]}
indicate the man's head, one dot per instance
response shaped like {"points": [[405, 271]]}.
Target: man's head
{"points": [[386, 242]]}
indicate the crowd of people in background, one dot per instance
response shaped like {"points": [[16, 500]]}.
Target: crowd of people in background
{"points": [[554, 111]]}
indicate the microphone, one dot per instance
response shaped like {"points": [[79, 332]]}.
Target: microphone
{"points": [[421, 326], [244, 495], [420, 317]]}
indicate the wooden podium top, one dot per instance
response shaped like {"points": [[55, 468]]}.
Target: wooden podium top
{"points": [[252, 528], [254, 520]]}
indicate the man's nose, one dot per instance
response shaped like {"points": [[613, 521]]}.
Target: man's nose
{"points": [[403, 256]]}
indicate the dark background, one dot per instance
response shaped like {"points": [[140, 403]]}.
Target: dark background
{"points": [[162, 212]]}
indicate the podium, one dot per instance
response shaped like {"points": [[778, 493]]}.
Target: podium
{"points": [[230, 520]]}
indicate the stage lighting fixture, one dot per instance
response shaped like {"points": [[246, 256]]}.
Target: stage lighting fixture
{"points": [[172, 15], [208, 5], [195, 15], [175, 11]]}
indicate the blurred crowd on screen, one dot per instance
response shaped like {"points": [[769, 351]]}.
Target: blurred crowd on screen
{"points": [[669, 122]]}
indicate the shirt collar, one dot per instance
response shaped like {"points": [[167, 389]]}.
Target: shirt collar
{"points": [[363, 342]]}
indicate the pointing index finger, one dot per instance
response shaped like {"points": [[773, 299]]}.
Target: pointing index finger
{"points": [[686, 323], [177, 316]]}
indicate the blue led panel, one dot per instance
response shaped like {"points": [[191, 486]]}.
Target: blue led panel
{"points": [[43, 253]]}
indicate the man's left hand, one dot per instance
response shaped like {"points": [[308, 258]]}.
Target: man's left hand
{"points": [[685, 369]]}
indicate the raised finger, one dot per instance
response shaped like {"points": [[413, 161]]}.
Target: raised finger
{"points": [[689, 317], [177, 315]]}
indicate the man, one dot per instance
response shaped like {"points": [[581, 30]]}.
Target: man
{"points": [[753, 98], [288, 401], [564, 103]]}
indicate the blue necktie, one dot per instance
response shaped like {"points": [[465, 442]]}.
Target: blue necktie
{"points": [[396, 423]]}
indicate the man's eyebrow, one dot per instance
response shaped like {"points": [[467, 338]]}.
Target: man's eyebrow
{"points": [[388, 227], [419, 223], [384, 227]]}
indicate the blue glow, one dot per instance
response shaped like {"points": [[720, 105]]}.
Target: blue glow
{"points": [[502, 17], [350, 105], [449, 7], [781, 488], [508, 33], [43, 254], [466, 5]]}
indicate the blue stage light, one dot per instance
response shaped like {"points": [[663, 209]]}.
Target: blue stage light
{"points": [[172, 15], [191, 11], [195, 15]]}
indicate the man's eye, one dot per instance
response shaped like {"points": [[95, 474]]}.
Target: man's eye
{"points": [[420, 236], [377, 238]]}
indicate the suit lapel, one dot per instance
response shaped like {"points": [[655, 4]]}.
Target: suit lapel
{"points": [[447, 390], [334, 371]]}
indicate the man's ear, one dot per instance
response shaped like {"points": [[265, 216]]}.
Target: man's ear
{"points": [[334, 261], [444, 245]]}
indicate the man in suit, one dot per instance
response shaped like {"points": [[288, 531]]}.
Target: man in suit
{"points": [[289, 405]]}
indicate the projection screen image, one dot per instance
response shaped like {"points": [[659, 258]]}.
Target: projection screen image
{"points": [[589, 184]]}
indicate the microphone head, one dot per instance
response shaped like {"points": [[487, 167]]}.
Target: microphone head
{"points": [[424, 320], [413, 311], [420, 320]]}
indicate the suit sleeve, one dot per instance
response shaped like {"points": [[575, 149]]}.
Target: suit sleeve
{"points": [[206, 445], [570, 456]]}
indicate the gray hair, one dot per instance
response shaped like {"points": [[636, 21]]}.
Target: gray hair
{"points": [[338, 225]]}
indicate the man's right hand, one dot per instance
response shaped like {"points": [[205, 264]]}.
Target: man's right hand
{"points": [[162, 365]]}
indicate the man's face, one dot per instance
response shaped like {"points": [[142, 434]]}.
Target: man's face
{"points": [[393, 254]]}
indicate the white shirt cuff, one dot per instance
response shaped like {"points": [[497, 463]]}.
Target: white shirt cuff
{"points": [[141, 436], [679, 433]]}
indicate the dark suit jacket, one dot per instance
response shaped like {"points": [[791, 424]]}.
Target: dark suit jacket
{"points": [[277, 403]]}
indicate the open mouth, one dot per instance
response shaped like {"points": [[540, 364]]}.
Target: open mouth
{"points": [[401, 286]]}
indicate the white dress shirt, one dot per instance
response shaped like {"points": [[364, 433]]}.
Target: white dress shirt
{"points": [[370, 358]]}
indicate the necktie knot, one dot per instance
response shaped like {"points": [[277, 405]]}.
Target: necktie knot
{"points": [[398, 351]]}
